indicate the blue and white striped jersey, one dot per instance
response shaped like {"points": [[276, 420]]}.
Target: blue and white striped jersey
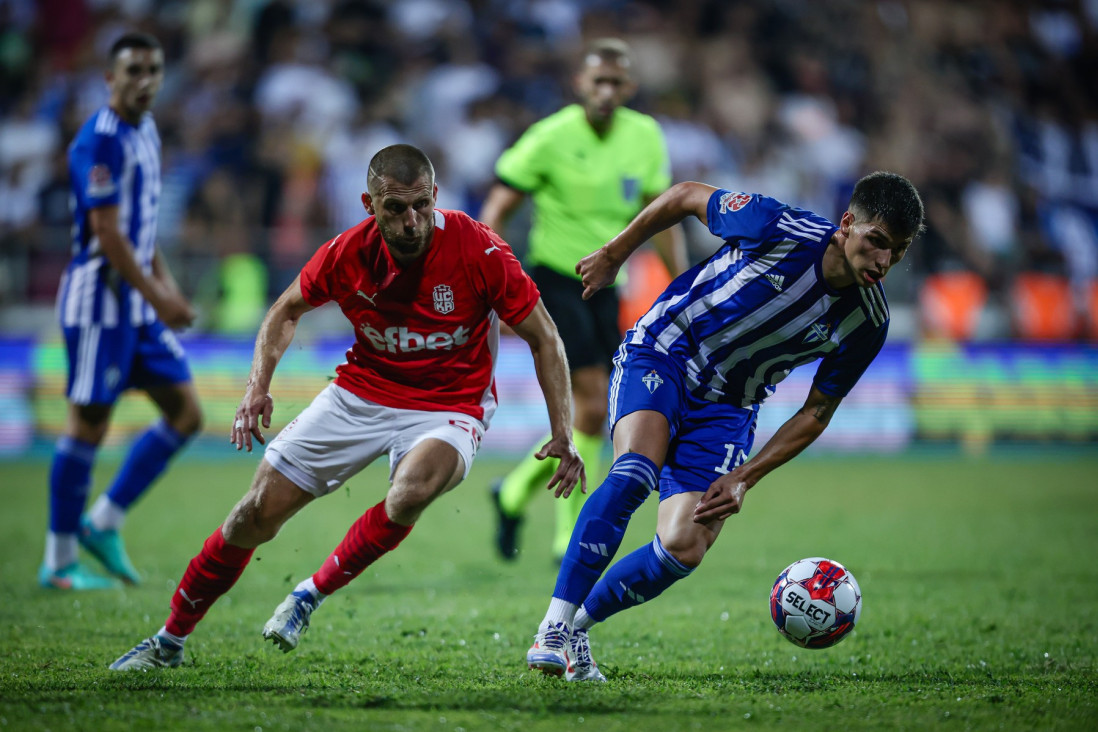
{"points": [[759, 307], [111, 163]]}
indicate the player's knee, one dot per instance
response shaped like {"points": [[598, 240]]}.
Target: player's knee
{"points": [[249, 525], [89, 423], [687, 547], [406, 501], [189, 420]]}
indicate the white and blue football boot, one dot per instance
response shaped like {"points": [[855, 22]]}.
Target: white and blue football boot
{"points": [[154, 652], [584, 667], [550, 653], [290, 620]]}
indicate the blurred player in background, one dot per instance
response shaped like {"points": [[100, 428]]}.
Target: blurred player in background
{"points": [[117, 303], [787, 288], [425, 290], [588, 168]]}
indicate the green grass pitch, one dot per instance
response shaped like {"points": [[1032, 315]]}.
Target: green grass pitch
{"points": [[980, 584]]}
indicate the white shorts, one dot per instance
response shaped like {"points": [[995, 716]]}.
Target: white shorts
{"points": [[340, 433]]}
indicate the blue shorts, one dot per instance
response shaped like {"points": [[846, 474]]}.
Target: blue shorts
{"points": [[707, 439], [104, 362]]}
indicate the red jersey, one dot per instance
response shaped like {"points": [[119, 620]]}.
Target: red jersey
{"points": [[427, 334]]}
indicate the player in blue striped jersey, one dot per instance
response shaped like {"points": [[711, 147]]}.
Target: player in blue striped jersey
{"points": [[788, 287], [116, 304]]}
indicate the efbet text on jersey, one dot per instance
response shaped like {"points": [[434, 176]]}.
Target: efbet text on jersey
{"points": [[402, 340]]}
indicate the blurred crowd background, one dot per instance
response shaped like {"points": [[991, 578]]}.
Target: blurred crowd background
{"points": [[271, 110]]}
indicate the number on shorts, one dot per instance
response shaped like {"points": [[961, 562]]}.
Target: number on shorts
{"points": [[731, 453]]}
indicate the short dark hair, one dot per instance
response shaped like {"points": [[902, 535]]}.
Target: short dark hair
{"points": [[405, 164], [607, 51], [134, 39], [891, 199]]}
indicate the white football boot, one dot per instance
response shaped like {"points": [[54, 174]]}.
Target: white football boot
{"points": [[550, 652], [584, 667]]}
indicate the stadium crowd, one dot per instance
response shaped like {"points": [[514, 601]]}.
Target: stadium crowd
{"points": [[270, 112]]}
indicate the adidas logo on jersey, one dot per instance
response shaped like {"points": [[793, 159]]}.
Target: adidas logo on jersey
{"points": [[776, 281], [402, 340]]}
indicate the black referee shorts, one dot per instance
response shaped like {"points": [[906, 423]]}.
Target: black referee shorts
{"points": [[588, 328]]}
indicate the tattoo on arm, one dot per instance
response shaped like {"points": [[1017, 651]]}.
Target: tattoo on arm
{"points": [[823, 410]]}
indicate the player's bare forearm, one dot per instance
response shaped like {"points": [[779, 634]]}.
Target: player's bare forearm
{"points": [[669, 208], [725, 496], [499, 205], [162, 272], [170, 305], [274, 337], [118, 250], [551, 367], [276, 333], [798, 432], [670, 245]]}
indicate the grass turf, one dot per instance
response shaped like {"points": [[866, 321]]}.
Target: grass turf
{"points": [[980, 611]]}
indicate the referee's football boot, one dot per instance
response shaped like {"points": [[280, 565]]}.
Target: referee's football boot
{"points": [[584, 667], [290, 620], [154, 652], [74, 577], [506, 526], [550, 653], [107, 547]]}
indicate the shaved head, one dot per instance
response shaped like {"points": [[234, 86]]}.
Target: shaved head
{"points": [[403, 164]]}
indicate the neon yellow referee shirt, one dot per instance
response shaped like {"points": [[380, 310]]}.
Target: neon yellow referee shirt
{"points": [[585, 189]]}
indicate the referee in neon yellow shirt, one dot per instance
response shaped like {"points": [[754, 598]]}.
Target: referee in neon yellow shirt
{"points": [[589, 168]]}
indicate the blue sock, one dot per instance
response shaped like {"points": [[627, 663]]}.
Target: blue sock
{"points": [[602, 523], [637, 578], [147, 459], [70, 478]]}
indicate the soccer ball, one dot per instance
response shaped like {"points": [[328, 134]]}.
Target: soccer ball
{"points": [[815, 602]]}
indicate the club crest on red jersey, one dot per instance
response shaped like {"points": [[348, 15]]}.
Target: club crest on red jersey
{"points": [[734, 201], [444, 299]]}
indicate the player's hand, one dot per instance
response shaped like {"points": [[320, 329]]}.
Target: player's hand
{"points": [[597, 270], [569, 471], [724, 498], [174, 310], [256, 406]]}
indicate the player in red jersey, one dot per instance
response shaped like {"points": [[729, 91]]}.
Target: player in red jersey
{"points": [[425, 290]]}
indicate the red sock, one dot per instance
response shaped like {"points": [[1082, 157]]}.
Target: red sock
{"points": [[209, 576], [367, 539]]}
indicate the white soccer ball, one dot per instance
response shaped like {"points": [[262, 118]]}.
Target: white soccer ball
{"points": [[815, 602]]}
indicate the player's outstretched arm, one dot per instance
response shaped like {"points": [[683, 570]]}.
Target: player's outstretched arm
{"points": [[598, 269], [551, 365], [670, 245], [725, 495], [274, 337]]}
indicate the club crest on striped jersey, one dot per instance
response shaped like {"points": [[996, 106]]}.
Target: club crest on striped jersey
{"points": [[444, 299], [820, 332], [652, 381], [734, 201]]}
